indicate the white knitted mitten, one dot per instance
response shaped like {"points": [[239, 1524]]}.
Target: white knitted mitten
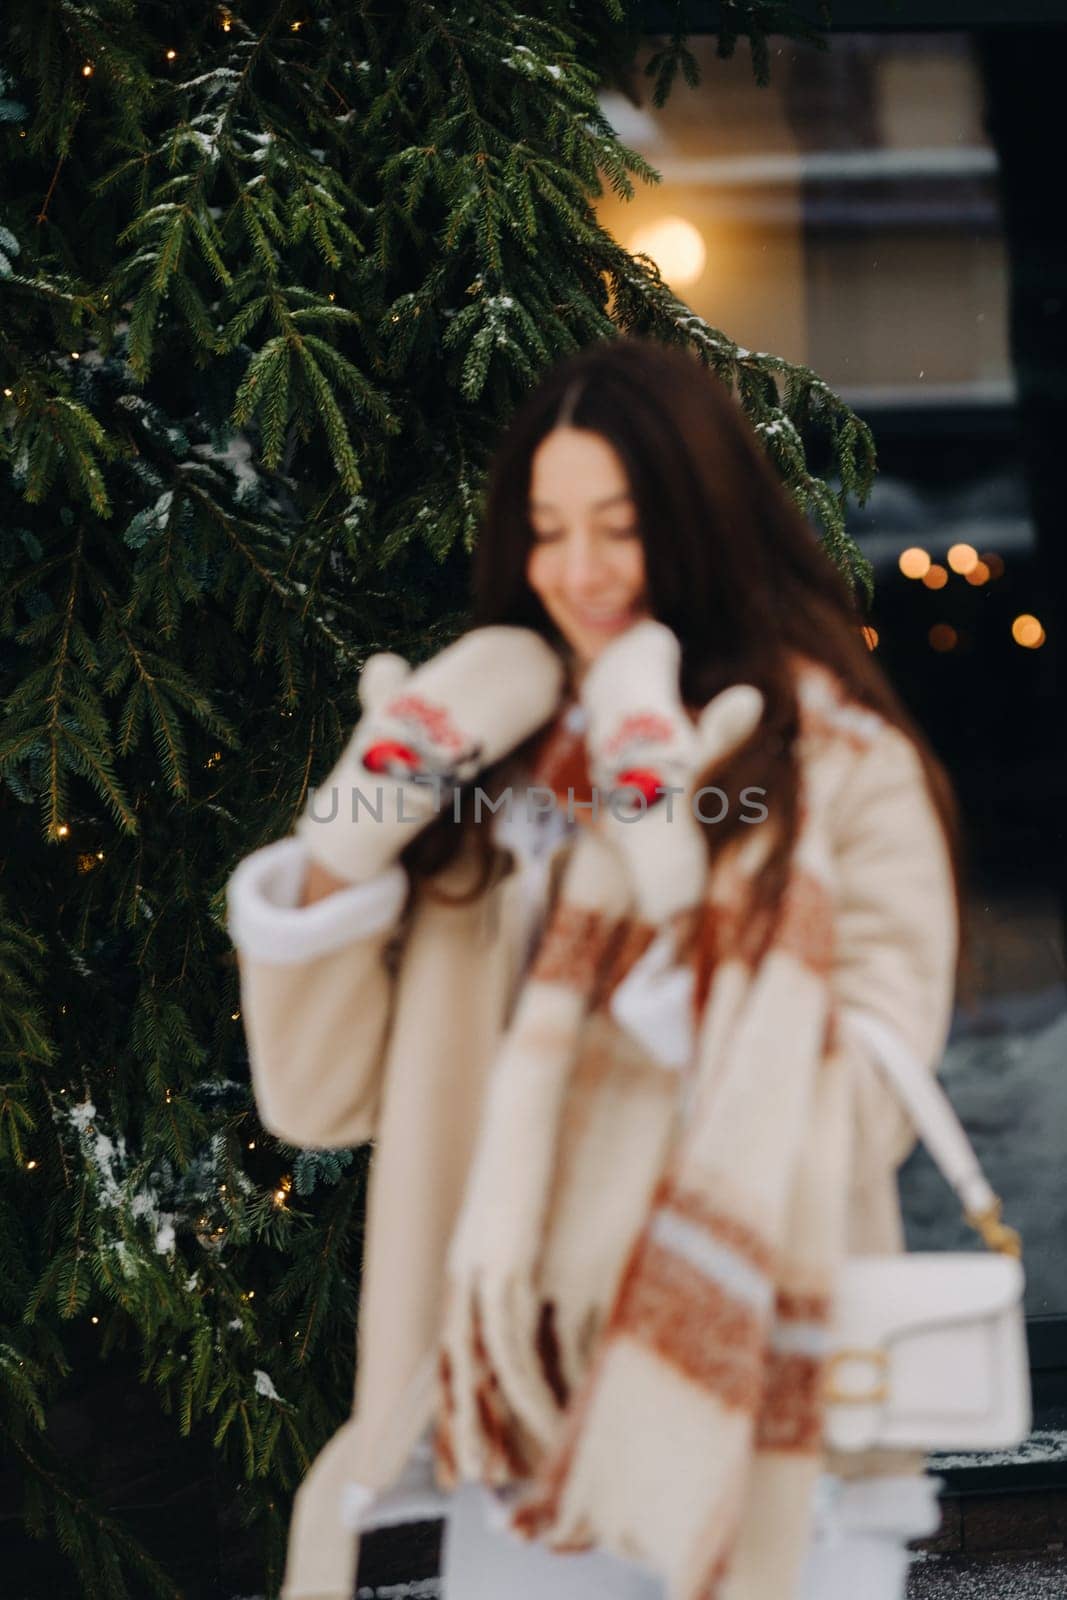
{"points": [[423, 733], [644, 756]]}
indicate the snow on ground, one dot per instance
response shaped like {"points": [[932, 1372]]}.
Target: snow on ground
{"points": [[1043, 1445], [1008, 1084], [969, 1578]]}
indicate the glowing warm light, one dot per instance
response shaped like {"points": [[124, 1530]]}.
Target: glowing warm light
{"points": [[936, 577], [31, 1165], [75, 355], [979, 573], [1027, 631], [914, 562], [675, 246], [943, 636], [87, 70], [962, 557], [994, 563], [63, 830], [870, 636], [94, 1319], [234, 1015], [8, 393], [172, 55]]}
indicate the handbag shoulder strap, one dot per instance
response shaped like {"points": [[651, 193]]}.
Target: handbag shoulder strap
{"points": [[937, 1125]]}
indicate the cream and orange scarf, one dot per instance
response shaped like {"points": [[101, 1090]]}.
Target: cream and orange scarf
{"points": [[646, 1375]]}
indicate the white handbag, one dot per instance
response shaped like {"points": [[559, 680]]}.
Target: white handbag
{"points": [[928, 1350]]}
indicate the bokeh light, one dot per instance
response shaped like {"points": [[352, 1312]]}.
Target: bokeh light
{"points": [[943, 636], [962, 558], [1027, 631], [677, 248], [914, 562]]}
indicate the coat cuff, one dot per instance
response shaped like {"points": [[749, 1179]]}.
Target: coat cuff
{"points": [[266, 921]]}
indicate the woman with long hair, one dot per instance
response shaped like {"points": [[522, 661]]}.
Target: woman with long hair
{"points": [[578, 936]]}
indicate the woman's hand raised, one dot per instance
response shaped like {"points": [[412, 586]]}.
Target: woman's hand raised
{"points": [[645, 754], [423, 733]]}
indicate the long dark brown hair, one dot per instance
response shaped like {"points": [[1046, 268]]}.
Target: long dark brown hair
{"points": [[732, 567]]}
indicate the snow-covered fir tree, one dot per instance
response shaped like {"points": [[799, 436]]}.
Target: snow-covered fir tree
{"points": [[271, 280]]}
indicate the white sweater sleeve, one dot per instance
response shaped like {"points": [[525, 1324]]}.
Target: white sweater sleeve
{"points": [[266, 921], [655, 1003]]}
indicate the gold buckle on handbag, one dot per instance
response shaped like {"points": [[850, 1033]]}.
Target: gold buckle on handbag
{"points": [[996, 1235], [879, 1390]]}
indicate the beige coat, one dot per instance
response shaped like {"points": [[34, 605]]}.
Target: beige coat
{"points": [[389, 1036]]}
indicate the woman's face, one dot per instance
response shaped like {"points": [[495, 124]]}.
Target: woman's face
{"points": [[586, 563]]}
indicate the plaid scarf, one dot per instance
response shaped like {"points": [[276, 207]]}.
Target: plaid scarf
{"points": [[651, 1382]]}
